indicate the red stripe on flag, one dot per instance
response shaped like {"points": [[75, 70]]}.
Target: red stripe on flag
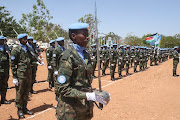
{"points": [[149, 38]]}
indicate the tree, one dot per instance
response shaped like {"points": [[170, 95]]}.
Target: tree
{"points": [[133, 40], [7, 23], [36, 22]]}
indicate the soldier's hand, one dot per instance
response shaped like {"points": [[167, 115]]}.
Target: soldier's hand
{"points": [[15, 81], [49, 67], [97, 96], [55, 73]]}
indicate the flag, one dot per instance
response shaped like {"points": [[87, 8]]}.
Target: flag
{"points": [[151, 39], [103, 38], [157, 43]]}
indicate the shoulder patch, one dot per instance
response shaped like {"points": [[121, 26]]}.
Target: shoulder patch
{"points": [[12, 57], [66, 54], [61, 79]]}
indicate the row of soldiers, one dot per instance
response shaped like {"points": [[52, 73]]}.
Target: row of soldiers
{"points": [[23, 61], [126, 56]]}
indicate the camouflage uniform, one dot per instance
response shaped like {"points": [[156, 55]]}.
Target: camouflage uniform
{"points": [[136, 61], [141, 57], [145, 58], [21, 66], [101, 55], [55, 64], [175, 62], [75, 78], [132, 56], [4, 72], [120, 61], [127, 59], [155, 57], [49, 56], [113, 60], [105, 60], [151, 56], [94, 60]]}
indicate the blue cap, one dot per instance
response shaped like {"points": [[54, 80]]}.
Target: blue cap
{"points": [[105, 45], [59, 39], [34, 41], [2, 37], [21, 36], [30, 38], [78, 26], [114, 44], [176, 47], [121, 46], [128, 46], [51, 41]]}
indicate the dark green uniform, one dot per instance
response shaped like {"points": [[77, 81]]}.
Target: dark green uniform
{"points": [[105, 60], [136, 60], [21, 66], [141, 59], [49, 55], [151, 56], [127, 59], [94, 60], [4, 71], [175, 61], [55, 64], [113, 61], [75, 78], [120, 61]]}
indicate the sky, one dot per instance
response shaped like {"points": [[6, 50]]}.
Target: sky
{"points": [[123, 17]]}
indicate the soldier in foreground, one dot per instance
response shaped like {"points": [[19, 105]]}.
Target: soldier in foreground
{"points": [[105, 59], [75, 77], [4, 70], [22, 74], [175, 60]]}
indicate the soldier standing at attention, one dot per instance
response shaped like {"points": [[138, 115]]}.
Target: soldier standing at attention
{"points": [[152, 56], [120, 60], [136, 59], [34, 66], [105, 60], [56, 61], [113, 60], [175, 60], [101, 56], [141, 57], [94, 58], [49, 56], [127, 56], [4, 70], [22, 74], [75, 77]]}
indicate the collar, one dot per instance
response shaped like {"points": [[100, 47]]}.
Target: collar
{"points": [[79, 48], [29, 45], [22, 45], [62, 48]]}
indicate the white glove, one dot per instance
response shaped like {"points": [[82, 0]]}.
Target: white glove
{"points": [[15, 81], [41, 64], [49, 67], [55, 73], [40, 58], [91, 96]]}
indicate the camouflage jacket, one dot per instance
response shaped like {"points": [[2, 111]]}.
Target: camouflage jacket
{"points": [[75, 76], [49, 55], [21, 61], [176, 56], [56, 58], [113, 55], [105, 54], [4, 60]]}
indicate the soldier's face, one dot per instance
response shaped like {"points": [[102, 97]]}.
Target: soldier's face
{"points": [[30, 41], [53, 44], [23, 40], [81, 38], [61, 43], [1, 42]]}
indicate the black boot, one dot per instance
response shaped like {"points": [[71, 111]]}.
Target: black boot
{"points": [[103, 74], [50, 85], [112, 78], [20, 113], [120, 75], [174, 74], [26, 111]]}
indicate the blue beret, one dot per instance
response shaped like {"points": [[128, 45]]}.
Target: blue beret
{"points": [[176, 47], [128, 46], [114, 44], [21, 36], [51, 41], [34, 41], [121, 46], [59, 39], [30, 38], [78, 26], [105, 45], [2, 37]]}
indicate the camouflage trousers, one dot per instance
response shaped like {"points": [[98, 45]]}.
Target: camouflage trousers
{"points": [[94, 66], [151, 60], [73, 109], [23, 88], [34, 70], [112, 68], [174, 67], [120, 67], [127, 66], [136, 63], [3, 84], [105, 65], [50, 75]]}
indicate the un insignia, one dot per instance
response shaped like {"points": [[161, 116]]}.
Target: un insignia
{"points": [[61, 79], [12, 57]]}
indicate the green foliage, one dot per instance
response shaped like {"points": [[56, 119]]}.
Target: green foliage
{"points": [[7, 23], [133, 40]]}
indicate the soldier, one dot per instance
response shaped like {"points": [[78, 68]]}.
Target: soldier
{"points": [[101, 56], [56, 62], [136, 61], [160, 55], [132, 56], [152, 56], [75, 78], [21, 61], [94, 58], [49, 56], [4, 70], [155, 57], [105, 60], [145, 57], [175, 60], [34, 66], [120, 60], [127, 58], [141, 58]]}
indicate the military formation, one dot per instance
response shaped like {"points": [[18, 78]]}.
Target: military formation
{"points": [[71, 71]]}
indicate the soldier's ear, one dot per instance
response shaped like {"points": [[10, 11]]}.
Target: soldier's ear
{"points": [[73, 36]]}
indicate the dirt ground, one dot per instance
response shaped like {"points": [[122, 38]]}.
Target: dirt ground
{"points": [[152, 94]]}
